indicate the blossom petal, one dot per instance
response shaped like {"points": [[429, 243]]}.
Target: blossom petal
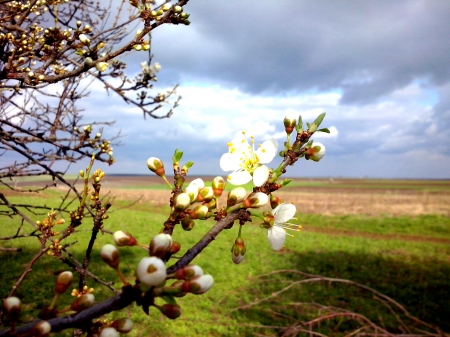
{"points": [[260, 175], [267, 151], [284, 212], [239, 177], [229, 162], [276, 236]]}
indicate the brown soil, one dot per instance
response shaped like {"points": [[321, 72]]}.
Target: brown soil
{"points": [[334, 200]]}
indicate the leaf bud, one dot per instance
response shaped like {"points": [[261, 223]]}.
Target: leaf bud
{"points": [[110, 254], [255, 200], [151, 271], [315, 152], [235, 196], [238, 251], [63, 282], [109, 332], [122, 239], [218, 185], [83, 302], [160, 245], [156, 166], [198, 285], [188, 272], [182, 201], [171, 311], [123, 325], [41, 329], [11, 308]]}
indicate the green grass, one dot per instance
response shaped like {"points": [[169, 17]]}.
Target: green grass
{"points": [[414, 273]]}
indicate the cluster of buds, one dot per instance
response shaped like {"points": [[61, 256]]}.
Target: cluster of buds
{"points": [[112, 329], [151, 272], [144, 45], [238, 196], [46, 226]]}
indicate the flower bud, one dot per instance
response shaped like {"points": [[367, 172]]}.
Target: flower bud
{"points": [[123, 325], [205, 194], [171, 311], [188, 272], [218, 185], [160, 245], [84, 40], [198, 285], [41, 329], [175, 248], [182, 201], [199, 182], [101, 66], [11, 308], [137, 47], [238, 251], [187, 224], [192, 191], [83, 302], [177, 9], [166, 7], [199, 212], [108, 332], [156, 166], [275, 201], [256, 200], [289, 123], [235, 196], [315, 152], [63, 282], [122, 239], [151, 271], [110, 254]]}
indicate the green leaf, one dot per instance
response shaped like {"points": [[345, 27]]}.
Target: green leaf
{"points": [[299, 126], [320, 118], [324, 130], [177, 156], [285, 182]]}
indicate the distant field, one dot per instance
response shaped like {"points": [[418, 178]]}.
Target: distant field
{"points": [[391, 235]]}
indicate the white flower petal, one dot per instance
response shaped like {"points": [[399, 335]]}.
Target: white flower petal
{"points": [[229, 162], [260, 175], [267, 151], [239, 177], [276, 236], [284, 212]]}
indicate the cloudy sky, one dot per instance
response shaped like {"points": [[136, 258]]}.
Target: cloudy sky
{"points": [[379, 69]]}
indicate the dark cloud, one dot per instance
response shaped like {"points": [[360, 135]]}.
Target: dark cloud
{"points": [[367, 48]]}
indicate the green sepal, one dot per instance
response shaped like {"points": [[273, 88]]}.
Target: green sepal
{"points": [[326, 130], [169, 299]]}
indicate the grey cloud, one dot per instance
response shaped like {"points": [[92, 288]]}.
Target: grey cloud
{"points": [[367, 49]]}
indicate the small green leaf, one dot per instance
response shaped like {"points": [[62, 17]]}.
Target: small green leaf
{"points": [[285, 182], [324, 130], [319, 119], [299, 126]]}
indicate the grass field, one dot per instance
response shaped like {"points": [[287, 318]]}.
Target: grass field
{"points": [[392, 236]]}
